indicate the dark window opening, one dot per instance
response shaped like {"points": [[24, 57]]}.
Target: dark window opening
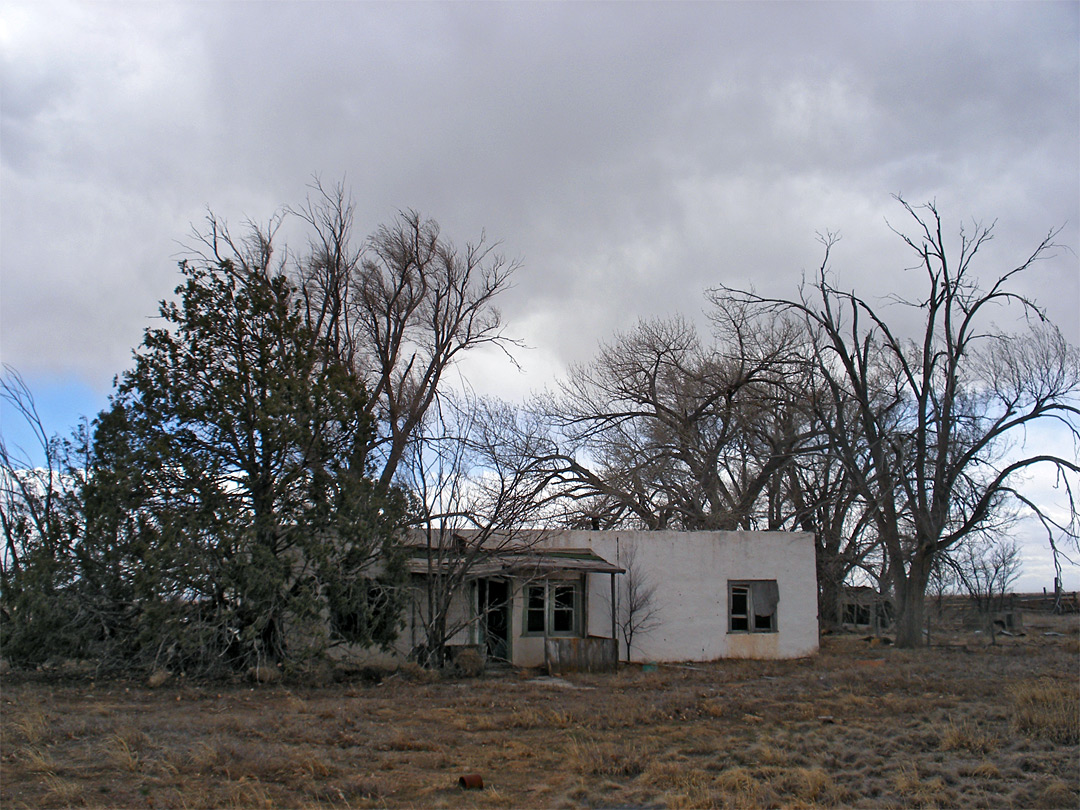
{"points": [[535, 609], [856, 614], [752, 606], [740, 608], [562, 611]]}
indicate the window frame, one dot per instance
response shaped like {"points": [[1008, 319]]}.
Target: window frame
{"points": [[554, 608], [745, 588], [532, 610]]}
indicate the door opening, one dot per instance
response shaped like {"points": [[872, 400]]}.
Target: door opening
{"points": [[493, 597]]}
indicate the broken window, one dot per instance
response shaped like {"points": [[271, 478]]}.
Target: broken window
{"points": [[562, 608], [554, 607], [752, 606]]}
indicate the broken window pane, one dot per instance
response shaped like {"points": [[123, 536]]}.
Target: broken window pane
{"points": [[562, 613], [752, 606]]}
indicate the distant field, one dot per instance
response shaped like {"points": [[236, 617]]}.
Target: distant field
{"points": [[962, 725]]}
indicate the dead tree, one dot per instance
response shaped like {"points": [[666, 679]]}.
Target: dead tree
{"points": [[638, 611], [928, 438], [663, 430], [986, 569], [477, 500], [402, 308]]}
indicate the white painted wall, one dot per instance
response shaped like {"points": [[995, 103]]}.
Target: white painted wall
{"points": [[691, 572]]}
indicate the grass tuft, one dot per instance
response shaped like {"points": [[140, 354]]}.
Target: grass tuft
{"points": [[123, 754], [922, 792], [966, 736], [248, 793], [33, 726], [1047, 709], [742, 789], [607, 759], [63, 792], [37, 761], [1056, 794]]}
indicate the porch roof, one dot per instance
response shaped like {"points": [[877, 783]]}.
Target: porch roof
{"points": [[533, 562]]}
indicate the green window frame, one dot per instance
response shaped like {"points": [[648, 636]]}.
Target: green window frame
{"points": [[554, 608], [535, 608]]}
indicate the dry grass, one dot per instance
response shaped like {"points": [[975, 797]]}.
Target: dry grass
{"points": [[607, 758], [966, 736], [966, 725], [918, 791], [32, 725], [1047, 708]]}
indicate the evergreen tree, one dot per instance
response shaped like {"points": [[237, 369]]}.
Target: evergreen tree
{"points": [[230, 516]]}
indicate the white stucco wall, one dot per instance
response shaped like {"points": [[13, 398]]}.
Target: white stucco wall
{"points": [[691, 571]]}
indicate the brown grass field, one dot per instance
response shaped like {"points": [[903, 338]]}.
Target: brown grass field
{"points": [[962, 724]]}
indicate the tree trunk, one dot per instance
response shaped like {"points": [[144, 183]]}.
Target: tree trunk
{"points": [[909, 622], [828, 600], [911, 602]]}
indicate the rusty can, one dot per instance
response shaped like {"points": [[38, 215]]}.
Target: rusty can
{"points": [[471, 781]]}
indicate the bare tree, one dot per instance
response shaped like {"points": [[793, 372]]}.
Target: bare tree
{"points": [[928, 442], [639, 612], [402, 308], [986, 569], [820, 495], [39, 520], [479, 502], [665, 431], [28, 512]]}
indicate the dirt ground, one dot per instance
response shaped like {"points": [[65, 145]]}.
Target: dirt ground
{"points": [[862, 724]]}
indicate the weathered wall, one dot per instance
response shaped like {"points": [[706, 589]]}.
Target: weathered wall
{"points": [[691, 572]]}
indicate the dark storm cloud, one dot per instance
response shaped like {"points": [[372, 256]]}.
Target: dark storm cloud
{"points": [[631, 155]]}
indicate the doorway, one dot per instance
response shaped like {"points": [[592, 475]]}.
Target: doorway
{"points": [[493, 607]]}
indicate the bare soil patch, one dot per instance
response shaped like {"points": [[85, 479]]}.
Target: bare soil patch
{"points": [[963, 724]]}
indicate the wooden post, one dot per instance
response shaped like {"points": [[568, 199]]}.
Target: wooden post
{"points": [[614, 637]]}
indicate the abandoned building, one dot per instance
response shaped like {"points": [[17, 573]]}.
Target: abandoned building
{"points": [[862, 607], [562, 598]]}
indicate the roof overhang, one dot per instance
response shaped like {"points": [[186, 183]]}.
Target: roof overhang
{"points": [[531, 562]]}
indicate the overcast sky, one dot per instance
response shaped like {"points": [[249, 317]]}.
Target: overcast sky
{"points": [[630, 155]]}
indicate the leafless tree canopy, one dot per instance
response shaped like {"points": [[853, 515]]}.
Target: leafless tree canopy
{"points": [[470, 466], [985, 569], [667, 429], [928, 427], [400, 306], [663, 430]]}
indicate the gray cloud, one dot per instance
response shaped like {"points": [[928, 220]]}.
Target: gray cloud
{"points": [[631, 155]]}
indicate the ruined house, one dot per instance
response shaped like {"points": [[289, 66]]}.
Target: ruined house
{"points": [[563, 595]]}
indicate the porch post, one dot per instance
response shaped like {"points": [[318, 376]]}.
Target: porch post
{"points": [[614, 637]]}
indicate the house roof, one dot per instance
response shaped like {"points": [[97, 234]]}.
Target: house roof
{"points": [[535, 562]]}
